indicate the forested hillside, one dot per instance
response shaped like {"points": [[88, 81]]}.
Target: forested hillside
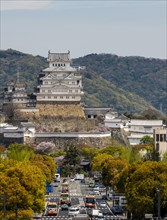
{"points": [[130, 84]]}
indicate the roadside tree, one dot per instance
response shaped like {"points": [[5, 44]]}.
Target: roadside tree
{"points": [[141, 186]]}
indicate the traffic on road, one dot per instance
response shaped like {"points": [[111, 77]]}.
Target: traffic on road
{"points": [[77, 199]]}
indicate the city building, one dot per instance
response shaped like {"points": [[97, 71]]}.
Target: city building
{"points": [[140, 128], [160, 140]]}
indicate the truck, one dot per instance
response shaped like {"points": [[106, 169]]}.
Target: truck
{"points": [[64, 187], [79, 176], [96, 213]]}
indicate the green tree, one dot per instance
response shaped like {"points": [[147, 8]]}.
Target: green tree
{"points": [[110, 167], [141, 188], [24, 183], [147, 140], [164, 157], [20, 152], [89, 153], [72, 156], [46, 164], [124, 152], [72, 160]]}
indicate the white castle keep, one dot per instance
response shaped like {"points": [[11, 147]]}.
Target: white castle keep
{"points": [[60, 82]]}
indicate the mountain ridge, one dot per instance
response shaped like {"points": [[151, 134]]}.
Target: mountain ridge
{"points": [[131, 84]]}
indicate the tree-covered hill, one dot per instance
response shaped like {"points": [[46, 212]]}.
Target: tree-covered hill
{"points": [[130, 84]]}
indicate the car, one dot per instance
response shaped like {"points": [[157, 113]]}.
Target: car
{"points": [[103, 204], [96, 192], [64, 207], [73, 211], [83, 181], [92, 185], [56, 184], [117, 210], [104, 197], [100, 218], [72, 180], [96, 188]]}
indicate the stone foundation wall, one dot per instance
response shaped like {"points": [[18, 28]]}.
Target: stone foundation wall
{"points": [[61, 143], [64, 110], [51, 109]]}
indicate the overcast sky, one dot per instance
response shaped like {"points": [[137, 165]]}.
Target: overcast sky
{"points": [[124, 28]]}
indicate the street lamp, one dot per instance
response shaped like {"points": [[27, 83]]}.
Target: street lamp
{"points": [[159, 205], [16, 209], [4, 197]]}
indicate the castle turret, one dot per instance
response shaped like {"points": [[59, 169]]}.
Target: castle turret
{"points": [[14, 96]]}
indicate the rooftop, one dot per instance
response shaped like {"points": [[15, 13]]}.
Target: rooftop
{"points": [[60, 57]]}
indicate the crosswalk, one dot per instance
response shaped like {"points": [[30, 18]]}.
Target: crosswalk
{"points": [[58, 195], [67, 218]]}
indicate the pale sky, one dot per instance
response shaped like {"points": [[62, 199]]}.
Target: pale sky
{"points": [[124, 28]]}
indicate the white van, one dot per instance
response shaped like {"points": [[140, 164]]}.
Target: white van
{"points": [[57, 177]]}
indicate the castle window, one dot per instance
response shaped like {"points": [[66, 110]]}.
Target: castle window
{"points": [[73, 97], [55, 97], [43, 97], [61, 97], [157, 137], [59, 64], [67, 97], [53, 64], [49, 90], [70, 90], [76, 90], [49, 97], [64, 64], [43, 90]]}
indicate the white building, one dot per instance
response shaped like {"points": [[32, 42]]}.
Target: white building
{"points": [[160, 140], [60, 82], [113, 121], [140, 128]]}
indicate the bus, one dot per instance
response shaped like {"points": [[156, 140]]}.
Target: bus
{"points": [[52, 208], [90, 201]]}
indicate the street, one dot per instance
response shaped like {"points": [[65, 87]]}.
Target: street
{"points": [[77, 192]]}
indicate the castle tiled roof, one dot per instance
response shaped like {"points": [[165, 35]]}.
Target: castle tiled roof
{"points": [[59, 57]]}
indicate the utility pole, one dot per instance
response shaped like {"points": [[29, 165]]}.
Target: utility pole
{"points": [[16, 209], [4, 197], [159, 205]]}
